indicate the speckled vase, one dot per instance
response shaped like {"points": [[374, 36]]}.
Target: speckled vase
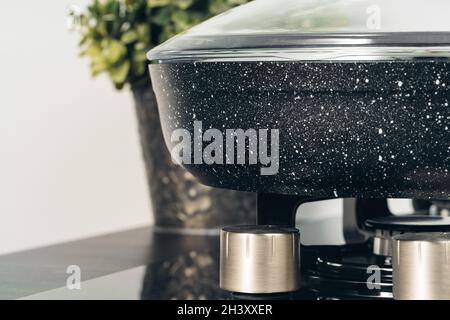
{"points": [[178, 200]]}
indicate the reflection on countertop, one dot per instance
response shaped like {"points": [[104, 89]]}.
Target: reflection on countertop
{"points": [[192, 272], [141, 263]]}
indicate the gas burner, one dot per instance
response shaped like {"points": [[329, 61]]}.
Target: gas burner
{"points": [[342, 272], [332, 273], [386, 228], [440, 208]]}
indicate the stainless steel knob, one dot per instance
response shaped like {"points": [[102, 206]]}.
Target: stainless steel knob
{"points": [[421, 266], [259, 259]]}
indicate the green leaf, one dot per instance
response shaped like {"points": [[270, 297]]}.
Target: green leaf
{"points": [[92, 51], [158, 3], [183, 4], [116, 34], [129, 36], [162, 17], [114, 50], [143, 31], [98, 65], [167, 33], [84, 39], [102, 28], [139, 68], [119, 73], [219, 6], [181, 20], [139, 54]]}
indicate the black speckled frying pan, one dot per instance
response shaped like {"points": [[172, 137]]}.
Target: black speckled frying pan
{"points": [[359, 114]]}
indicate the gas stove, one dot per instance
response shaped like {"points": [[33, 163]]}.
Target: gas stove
{"points": [[381, 257], [299, 102]]}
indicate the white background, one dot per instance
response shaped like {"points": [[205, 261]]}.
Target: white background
{"points": [[70, 160]]}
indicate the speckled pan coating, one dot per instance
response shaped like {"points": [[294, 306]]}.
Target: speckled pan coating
{"points": [[366, 129]]}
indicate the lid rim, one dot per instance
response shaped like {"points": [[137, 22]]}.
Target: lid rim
{"points": [[196, 46]]}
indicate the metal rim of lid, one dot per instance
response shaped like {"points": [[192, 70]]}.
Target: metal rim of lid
{"points": [[304, 47], [409, 223]]}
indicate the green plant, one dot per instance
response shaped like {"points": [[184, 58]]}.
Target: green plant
{"points": [[116, 34]]}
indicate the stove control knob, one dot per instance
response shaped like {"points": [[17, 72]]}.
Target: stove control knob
{"points": [[259, 259], [421, 266]]}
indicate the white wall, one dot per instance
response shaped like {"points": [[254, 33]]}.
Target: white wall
{"points": [[70, 163]]}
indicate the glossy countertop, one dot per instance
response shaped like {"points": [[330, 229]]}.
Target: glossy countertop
{"points": [[141, 263]]}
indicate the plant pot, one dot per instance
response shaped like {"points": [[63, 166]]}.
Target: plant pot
{"points": [[178, 200]]}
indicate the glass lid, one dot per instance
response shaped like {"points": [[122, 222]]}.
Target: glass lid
{"points": [[316, 30]]}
